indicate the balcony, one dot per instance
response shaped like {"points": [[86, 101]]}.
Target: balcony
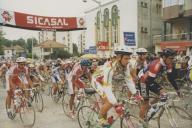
{"points": [[174, 41], [172, 12], [173, 37], [173, 9]]}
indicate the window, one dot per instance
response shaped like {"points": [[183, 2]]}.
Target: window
{"points": [[97, 23], [47, 49], [106, 25], [115, 25], [144, 4]]}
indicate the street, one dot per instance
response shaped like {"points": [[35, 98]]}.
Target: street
{"points": [[54, 117], [51, 117]]}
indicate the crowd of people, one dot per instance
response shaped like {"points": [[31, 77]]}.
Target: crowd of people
{"points": [[138, 72]]}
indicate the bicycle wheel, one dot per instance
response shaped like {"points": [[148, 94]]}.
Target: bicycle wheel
{"points": [[87, 117], [173, 117], [27, 114], [185, 102], [131, 121], [11, 115], [65, 104], [38, 101], [55, 97]]}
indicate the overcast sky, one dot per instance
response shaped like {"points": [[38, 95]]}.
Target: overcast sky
{"points": [[62, 8]]}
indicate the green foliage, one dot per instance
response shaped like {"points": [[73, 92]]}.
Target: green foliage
{"points": [[75, 50], [29, 43], [60, 53], [29, 55]]}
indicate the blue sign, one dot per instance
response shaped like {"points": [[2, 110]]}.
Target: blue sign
{"points": [[93, 50], [86, 51], [129, 38]]}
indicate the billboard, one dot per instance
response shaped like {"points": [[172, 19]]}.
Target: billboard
{"points": [[29, 21], [129, 38]]}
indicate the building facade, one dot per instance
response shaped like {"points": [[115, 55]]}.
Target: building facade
{"points": [[123, 22], [177, 16]]}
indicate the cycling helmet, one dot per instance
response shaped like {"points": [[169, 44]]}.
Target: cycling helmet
{"points": [[141, 50], [85, 62], [168, 52], [21, 59], [31, 65], [122, 50]]}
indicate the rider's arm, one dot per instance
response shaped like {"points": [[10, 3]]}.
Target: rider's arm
{"points": [[171, 79]]}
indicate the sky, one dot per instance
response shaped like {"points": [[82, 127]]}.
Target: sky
{"points": [[61, 8]]}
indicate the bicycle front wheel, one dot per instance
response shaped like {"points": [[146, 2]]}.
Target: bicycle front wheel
{"points": [[131, 121], [27, 115], [39, 101], [87, 117], [174, 117]]}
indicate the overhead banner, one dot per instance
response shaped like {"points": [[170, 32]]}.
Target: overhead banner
{"points": [[29, 21]]}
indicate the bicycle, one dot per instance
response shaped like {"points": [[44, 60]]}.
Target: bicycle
{"points": [[82, 98], [59, 93], [37, 98], [21, 105], [165, 106], [88, 117]]}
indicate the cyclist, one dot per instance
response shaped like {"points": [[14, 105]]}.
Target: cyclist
{"points": [[74, 80], [147, 80], [140, 64], [55, 77], [104, 77], [18, 77]]}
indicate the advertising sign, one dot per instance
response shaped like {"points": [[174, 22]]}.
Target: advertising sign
{"points": [[103, 46], [129, 38], [92, 50], [29, 21]]}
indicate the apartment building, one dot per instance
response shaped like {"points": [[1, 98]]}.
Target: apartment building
{"points": [[177, 22]]}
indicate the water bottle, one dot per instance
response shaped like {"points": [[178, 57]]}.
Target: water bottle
{"points": [[143, 90]]}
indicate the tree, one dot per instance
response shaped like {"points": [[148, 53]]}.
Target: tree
{"points": [[60, 53], [75, 50], [29, 43]]}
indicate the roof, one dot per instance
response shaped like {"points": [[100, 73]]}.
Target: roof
{"points": [[51, 44], [16, 47]]}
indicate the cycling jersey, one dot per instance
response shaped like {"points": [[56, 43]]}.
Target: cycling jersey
{"points": [[74, 78], [104, 77], [55, 77], [19, 75], [156, 68]]}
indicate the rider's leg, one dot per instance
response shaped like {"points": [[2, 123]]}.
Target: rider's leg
{"points": [[144, 108]]}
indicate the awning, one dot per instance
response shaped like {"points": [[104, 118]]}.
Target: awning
{"points": [[176, 45]]}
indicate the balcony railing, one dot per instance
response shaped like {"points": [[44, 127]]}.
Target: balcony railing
{"points": [[172, 37]]}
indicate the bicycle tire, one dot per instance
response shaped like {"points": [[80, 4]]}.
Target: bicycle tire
{"points": [[56, 98], [13, 114], [91, 116], [129, 122], [65, 104], [31, 113], [39, 101], [173, 119]]}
